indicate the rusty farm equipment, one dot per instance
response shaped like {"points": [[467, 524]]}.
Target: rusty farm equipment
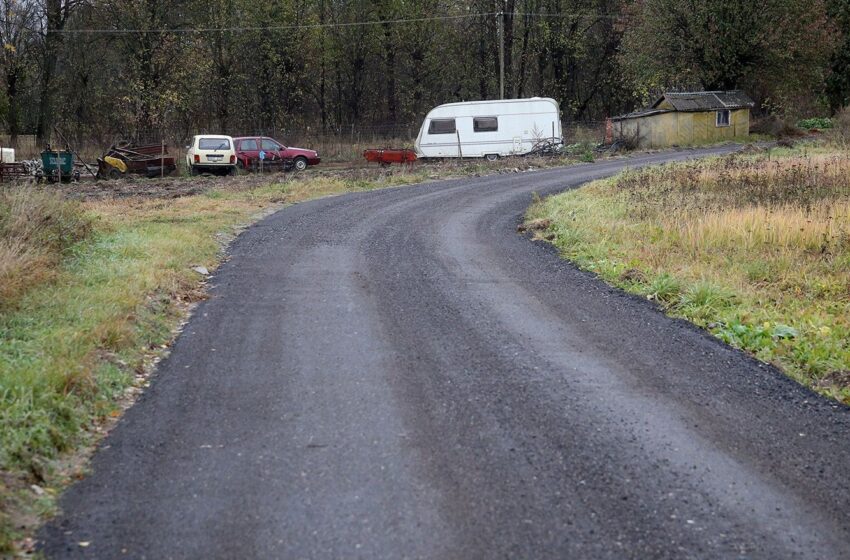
{"points": [[11, 170], [152, 160]]}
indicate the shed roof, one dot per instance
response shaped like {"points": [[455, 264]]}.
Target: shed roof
{"points": [[641, 113], [706, 100]]}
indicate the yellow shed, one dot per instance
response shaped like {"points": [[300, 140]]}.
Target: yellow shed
{"points": [[680, 118]]}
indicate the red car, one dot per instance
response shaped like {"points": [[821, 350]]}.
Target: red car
{"points": [[248, 150]]}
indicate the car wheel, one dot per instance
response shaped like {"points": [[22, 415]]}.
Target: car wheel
{"points": [[492, 157], [193, 171], [232, 171], [300, 163]]}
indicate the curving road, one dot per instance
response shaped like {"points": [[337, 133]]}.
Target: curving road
{"points": [[399, 374]]}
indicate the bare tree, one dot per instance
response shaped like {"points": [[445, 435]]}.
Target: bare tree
{"points": [[16, 33], [52, 16]]}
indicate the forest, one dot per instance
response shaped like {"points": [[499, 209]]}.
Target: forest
{"points": [[101, 69]]}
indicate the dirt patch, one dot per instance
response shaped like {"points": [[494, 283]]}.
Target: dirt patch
{"points": [[166, 187], [835, 379], [175, 187], [633, 275], [360, 173], [539, 224]]}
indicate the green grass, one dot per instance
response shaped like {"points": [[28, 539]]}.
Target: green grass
{"points": [[72, 346], [753, 248]]}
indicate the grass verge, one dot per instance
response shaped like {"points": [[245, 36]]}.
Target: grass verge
{"points": [[754, 247], [94, 293]]}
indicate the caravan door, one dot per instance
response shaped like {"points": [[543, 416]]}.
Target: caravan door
{"points": [[517, 145]]}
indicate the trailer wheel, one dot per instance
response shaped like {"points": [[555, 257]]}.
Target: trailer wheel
{"points": [[115, 173], [492, 157]]}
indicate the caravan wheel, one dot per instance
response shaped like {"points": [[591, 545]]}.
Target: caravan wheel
{"points": [[492, 157]]}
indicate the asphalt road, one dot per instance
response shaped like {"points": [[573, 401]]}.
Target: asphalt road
{"points": [[399, 374]]}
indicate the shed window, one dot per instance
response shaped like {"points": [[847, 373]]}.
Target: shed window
{"points": [[442, 126], [723, 117], [485, 124]]}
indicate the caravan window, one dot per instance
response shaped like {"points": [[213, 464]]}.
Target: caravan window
{"points": [[442, 126], [485, 124]]}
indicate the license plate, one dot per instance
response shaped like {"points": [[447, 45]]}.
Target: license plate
{"points": [[214, 158]]}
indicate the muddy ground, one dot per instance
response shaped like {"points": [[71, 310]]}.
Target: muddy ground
{"points": [[179, 186]]}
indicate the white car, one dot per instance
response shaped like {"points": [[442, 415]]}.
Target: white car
{"points": [[211, 153]]}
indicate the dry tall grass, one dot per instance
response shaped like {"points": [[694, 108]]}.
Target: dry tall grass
{"points": [[734, 182], [816, 232], [36, 228], [796, 207]]}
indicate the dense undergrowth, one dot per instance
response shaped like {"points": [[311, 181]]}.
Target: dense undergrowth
{"points": [[753, 247]]}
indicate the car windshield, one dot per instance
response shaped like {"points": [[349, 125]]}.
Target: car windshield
{"points": [[214, 144]]}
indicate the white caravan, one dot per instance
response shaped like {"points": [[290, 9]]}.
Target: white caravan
{"points": [[490, 129]]}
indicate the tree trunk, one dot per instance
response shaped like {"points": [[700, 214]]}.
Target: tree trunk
{"points": [[323, 110], [389, 49], [482, 63], [55, 23], [223, 79], [12, 94], [523, 57], [508, 27]]}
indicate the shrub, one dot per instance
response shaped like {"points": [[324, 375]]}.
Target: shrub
{"points": [[815, 122]]}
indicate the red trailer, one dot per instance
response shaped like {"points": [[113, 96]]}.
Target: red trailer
{"points": [[386, 156]]}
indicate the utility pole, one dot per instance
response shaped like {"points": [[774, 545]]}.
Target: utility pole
{"points": [[501, 21]]}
